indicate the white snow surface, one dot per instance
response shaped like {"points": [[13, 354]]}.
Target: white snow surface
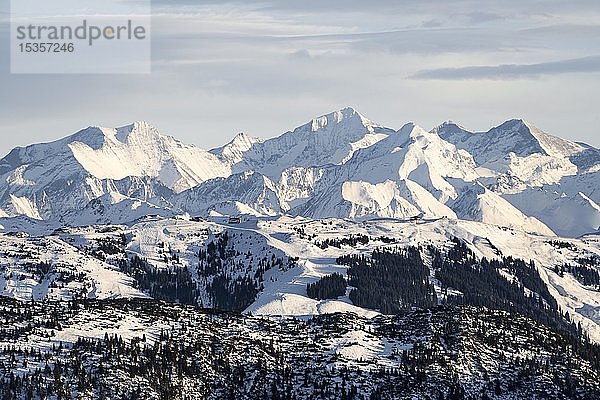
{"points": [[19, 280]]}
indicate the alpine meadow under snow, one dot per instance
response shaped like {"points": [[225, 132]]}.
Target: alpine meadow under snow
{"points": [[342, 259]]}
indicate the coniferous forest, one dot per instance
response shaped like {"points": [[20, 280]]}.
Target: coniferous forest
{"points": [[173, 284], [231, 280], [481, 283], [397, 280], [328, 287], [390, 280], [187, 352]]}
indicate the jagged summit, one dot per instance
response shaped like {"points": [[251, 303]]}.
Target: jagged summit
{"points": [[347, 115], [50, 179], [449, 128], [233, 152], [413, 130], [516, 136], [95, 136], [330, 139], [140, 149]]}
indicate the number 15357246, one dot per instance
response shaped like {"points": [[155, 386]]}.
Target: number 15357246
{"points": [[46, 47]]}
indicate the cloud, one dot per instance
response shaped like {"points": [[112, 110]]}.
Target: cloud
{"points": [[265, 66], [287, 5], [412, 30], [301, 54], [438, 41], [478, 17], [338, 6], [512, 71], [432, 23]]}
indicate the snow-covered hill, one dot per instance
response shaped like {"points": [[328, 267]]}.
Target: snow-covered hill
{"points": [[48, 268], [94, 255]]}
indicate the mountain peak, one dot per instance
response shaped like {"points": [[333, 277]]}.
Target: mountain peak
{"points": [[516, 135], [135, 125], [515, 123], [233, 152], [93, 159], [96, 136], [138, 129], [412, 130], [347, 115], [544, 143], [449, 128], [243, 138], [298, 170]]}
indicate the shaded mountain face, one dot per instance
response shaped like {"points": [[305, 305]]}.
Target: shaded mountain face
{"points": [[513, 136], [338, 165]]}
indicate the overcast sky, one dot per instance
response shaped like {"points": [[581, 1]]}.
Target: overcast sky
{"points": [[220, 68]]}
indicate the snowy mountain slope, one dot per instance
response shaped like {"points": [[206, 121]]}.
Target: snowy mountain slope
{"points": [[298, 184], [568, 215], [520, 156], [587, 160], [476, 203], [363, 200], [50, 269], [401, 176], [255, 193], [22, 223], [141, 150], [515, 173], [45, 181], [415, 154], [432, 181], [586, 183], [403, 199], [112, 207], [411, 152], [391, 177], [583, 303], [233, 152], [283, 289]]}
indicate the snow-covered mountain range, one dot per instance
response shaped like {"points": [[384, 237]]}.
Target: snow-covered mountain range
{"points": [[408, 262], [337, 165]]}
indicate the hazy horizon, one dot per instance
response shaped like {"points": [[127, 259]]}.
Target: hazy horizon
{"points": [[226, 139], [265, 67]]}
